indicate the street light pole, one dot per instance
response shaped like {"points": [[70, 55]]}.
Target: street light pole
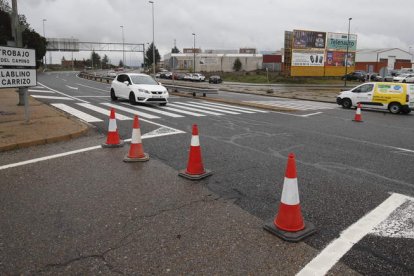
{"points": [[44, 35], [194, 68], [347, 49], [123, 46], [153, 39]]}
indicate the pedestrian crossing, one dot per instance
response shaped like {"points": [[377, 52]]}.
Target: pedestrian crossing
{"points": [[297, 104]]}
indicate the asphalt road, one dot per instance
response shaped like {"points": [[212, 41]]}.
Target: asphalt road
{"points": [[345, 169]]}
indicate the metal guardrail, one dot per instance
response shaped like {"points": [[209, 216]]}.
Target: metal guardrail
{"points": [[95, 77], [192, 90]]}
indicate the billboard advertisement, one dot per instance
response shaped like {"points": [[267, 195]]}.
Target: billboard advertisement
{"points": [[337, 41], [308, 58], [308, 39], [335, 58]]}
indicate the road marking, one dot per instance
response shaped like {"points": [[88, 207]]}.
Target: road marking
{"points": [[223, 107], [155, 110], [61, 93], [208, 108], [132, 111], [92, 96], [106, 91], [308, 115], [332, 253], [238, 107], [183, 111], [52, 97], [195, 109], [40, 91], [71, 87], [77, 113], [104, 111]]}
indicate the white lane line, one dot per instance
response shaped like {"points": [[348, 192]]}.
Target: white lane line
{"points": [[71, 87], [153, 134], [238, 107], [77, 113], [62, 93], [195, 109], [208, 108], [52, 97], [104, 111], [92, 96], [40, 91], [155, 110], [224, 107], [132, 111], [311, 114], [183, 111], [332, 253], [106, 91]]}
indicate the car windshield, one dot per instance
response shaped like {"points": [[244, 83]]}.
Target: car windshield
{"points": [[138, 79]]}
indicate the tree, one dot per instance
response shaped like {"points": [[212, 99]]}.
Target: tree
{"points": [[96, 59], [121, 63], [237, 65], [149, 55], [105, 61], [175, 50]]}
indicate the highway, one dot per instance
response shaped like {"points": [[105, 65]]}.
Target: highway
{"points": [[345, 169]]}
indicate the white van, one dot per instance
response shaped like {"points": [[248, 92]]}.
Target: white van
{"points": [[396, 97]]}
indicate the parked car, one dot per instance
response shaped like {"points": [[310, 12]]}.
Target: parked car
{"points": [[188, 77], [215, 79], [165, 75], [198, 77], [403, 77], [178, 76], [357, 75], [138, 88], [409, 80], [111, 74]]}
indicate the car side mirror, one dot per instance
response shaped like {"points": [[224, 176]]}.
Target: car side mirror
{"points": [[126, 83]]}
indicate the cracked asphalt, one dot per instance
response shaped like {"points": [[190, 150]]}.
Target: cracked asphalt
{"points": [[59, 218]]}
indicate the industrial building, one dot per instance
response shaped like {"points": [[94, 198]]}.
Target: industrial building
{"points": [[376, 60]]}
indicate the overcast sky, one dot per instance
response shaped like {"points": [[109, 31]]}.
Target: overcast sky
{"points": [[221, 24]]}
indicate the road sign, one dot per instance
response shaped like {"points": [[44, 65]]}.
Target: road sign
{"points": [[10, 56], [17, 77]]}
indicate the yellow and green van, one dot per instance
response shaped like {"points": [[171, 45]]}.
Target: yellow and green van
{"points": [[396, 97]]}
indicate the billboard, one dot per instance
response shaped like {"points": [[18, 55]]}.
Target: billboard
{"points": [[308, 39], [335, 58], [308, 58], [338, 41]]}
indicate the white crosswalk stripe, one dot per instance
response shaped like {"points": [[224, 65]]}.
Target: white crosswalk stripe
{"points": [[297, 104], [195, 109], [132, 111], [52, 97], [40, 91], [77, 113], [208, 108], [104, 111], [223, 107], [156, 110], [238, 107], [183, 111]]}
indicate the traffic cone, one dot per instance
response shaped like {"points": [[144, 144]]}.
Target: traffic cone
{"points": [[195, 169], [136, 151], [112, 140], [358, 117], [288, 223]]}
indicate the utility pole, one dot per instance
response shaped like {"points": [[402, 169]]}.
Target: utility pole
{"points": [[44, 35], [347, 50]]}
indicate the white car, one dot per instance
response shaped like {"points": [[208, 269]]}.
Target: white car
{"points": [[198, 77], [111, 74], [138, 88], [403, 77], [410, 79]]}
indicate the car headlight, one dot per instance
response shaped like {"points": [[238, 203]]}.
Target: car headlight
{"points": [[144, 91]]}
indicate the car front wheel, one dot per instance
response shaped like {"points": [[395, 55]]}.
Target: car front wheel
{"points": [[132, 99], [394, 108], [113, 96]]}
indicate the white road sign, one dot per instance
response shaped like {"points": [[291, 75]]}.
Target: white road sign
{"points": [[10, 56], [17, 77]]}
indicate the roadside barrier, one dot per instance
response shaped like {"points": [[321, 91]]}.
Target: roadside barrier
{"points": [[113, 140], [195, 169], [136, 150], [358, 116], [288, 223]]}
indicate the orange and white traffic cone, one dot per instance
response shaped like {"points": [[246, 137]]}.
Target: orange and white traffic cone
{"points": [[358, 117], [288, 223], [195, 169], [113, 140], [136, 150]]}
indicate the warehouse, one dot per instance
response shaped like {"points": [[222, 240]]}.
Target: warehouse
{"points": [[375, 60]]}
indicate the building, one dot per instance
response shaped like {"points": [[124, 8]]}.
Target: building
{"points": [[376, 60], [213, 61]]}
